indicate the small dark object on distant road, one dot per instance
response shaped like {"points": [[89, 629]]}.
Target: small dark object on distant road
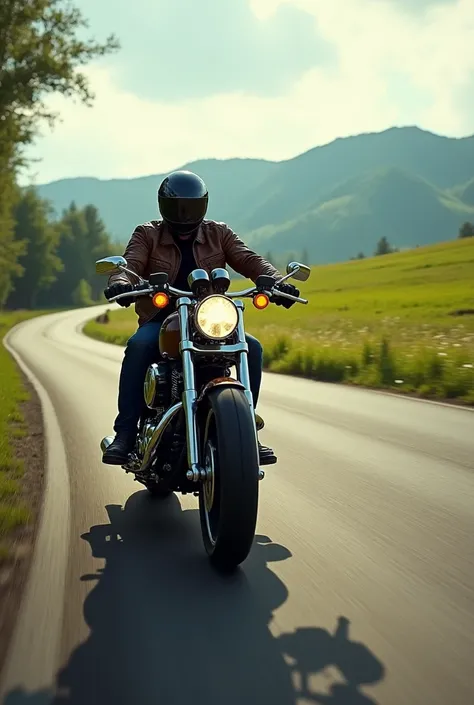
{"points": [[103, 317]]}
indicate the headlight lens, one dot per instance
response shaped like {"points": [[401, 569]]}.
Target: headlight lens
{"points": [[216, 317]]}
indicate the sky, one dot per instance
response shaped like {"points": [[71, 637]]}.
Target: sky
{"points": [[270, 79]]}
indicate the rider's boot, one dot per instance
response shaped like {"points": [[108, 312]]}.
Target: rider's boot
{"points": [[118, 451], [266, 454]]}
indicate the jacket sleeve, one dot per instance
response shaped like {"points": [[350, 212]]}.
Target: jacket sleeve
{"points": [[244, 260], [137, 254]]}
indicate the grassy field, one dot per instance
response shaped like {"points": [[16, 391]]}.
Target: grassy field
{"points": [[393, 322], [13, 511]]}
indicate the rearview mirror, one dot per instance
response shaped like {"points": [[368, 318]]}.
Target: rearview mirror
{"points": [[298, 271], [109, 265]]}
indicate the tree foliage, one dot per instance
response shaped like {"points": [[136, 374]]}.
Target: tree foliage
{"points": [[98, 245], [82, 294], [384, 247], [57, 262], [42, 49], [39, 261], [10, 248], [466, 230], [82, 240]]}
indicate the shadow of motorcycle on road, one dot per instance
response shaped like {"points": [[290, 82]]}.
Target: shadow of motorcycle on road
{"points": [[313, 650], [167, 630]]}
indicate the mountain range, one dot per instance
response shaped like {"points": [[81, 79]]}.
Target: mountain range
{"points": [[412, 186]]}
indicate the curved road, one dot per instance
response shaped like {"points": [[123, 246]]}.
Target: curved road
{"points": [[359, 590]]}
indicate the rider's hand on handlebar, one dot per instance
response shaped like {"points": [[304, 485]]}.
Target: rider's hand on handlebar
{"points": [[119, 288], [286, 289]]}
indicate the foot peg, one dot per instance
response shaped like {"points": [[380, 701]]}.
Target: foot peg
{"points": [[268, 460]]}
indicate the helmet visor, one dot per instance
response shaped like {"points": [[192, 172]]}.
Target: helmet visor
{"points": [[183, 211]]}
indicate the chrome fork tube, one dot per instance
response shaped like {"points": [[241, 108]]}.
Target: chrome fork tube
{"points": [[189, 392], [243, 362]]}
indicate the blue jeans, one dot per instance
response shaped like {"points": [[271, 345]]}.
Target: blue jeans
{"points": [[141, 351]]}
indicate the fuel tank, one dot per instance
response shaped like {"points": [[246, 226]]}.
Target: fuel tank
{"points": [[170, 337]]}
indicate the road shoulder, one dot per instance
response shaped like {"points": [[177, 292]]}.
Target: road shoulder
{"points": [[28, 454]]}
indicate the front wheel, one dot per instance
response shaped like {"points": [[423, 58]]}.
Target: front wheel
{"points": [[228, 497]]}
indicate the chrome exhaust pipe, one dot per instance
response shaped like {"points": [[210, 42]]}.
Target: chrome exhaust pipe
{"points": [[149, 454], [105, 442]]}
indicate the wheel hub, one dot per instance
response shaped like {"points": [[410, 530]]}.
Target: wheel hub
{"points": [[209, 481]]}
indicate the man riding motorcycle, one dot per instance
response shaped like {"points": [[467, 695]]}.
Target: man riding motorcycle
{"points": [[179, 243]]}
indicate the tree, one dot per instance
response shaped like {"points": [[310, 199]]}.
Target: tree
{"points": [[466, 230], [97, 245], [71, 231], [82, 240], [38, 261], [305, 257], [10, 248], [42, 46], [41, 49], [82, 294], [10, 251], [383, 247]]}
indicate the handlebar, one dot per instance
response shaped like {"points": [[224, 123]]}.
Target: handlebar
{"points": [[140, 291]]}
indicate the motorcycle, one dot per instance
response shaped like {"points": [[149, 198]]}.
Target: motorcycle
{"points": [[198, 429]]}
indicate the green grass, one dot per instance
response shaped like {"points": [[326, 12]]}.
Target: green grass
{"points": [[13, 511], [386, 322]]}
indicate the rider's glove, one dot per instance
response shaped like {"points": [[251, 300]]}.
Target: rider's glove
{"points": [[119, 288], [286, 289]]}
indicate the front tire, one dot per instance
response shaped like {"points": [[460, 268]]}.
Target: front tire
{"points": [[228, 498]]}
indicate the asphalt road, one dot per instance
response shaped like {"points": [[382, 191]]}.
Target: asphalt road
{"points": [[359, 590]]}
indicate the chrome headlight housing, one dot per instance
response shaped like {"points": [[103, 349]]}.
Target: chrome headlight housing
{"points": [[216, 317]]}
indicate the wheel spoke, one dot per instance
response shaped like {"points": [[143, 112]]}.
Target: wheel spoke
{"points": [[210, 495]]}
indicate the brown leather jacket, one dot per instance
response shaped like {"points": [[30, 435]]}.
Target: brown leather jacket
{"points": [[152, 249]]}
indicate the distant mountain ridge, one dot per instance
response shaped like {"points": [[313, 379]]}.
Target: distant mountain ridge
{"points": [[356, 214], [410, 185]]}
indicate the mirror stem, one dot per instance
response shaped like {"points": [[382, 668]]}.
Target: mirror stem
{"points": [[287, 276], [129, 271]]}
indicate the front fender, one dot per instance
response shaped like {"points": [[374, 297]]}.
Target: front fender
{"points": [[217, 382], [201, 405], [225, 382]]}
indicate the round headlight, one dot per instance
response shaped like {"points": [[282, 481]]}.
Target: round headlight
{"points": [[216, 317]]}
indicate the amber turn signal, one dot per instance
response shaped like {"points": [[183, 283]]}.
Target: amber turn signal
{"points": [[261, 301], [160, 300]]}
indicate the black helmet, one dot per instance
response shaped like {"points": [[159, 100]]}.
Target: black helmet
{"points": [[182, 200]]}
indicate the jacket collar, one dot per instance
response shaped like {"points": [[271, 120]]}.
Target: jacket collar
{"points": [[165, 237]]}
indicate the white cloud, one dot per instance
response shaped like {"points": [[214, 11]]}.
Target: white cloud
{"points": [[394, 68]]}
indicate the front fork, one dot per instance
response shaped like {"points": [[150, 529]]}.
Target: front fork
{"points": [[190, 395], [243, 364]]}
